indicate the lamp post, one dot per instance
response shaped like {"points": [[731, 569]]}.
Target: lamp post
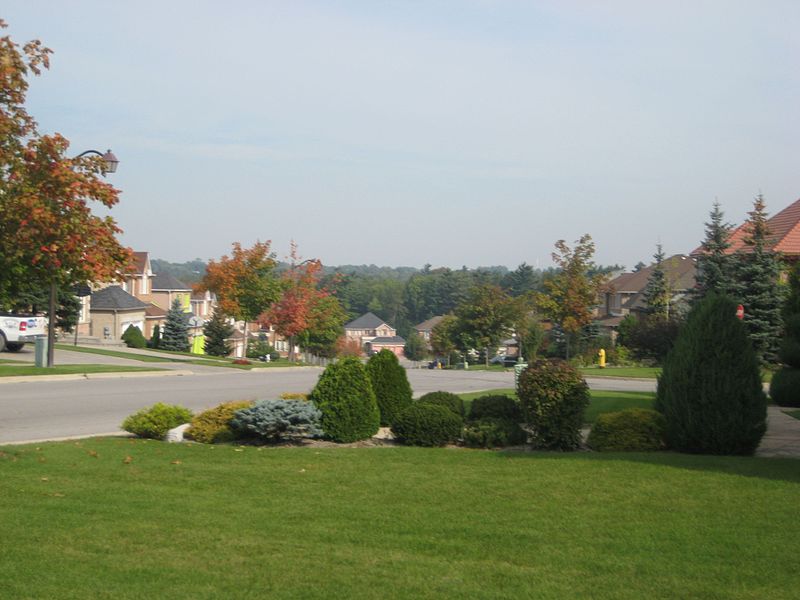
{"points": [[110, 163]]}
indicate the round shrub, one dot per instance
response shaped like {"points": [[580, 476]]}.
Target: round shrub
{"points": [[553, 396], [495, 407], [390, 384], [450, 401], [710, 389], [790, 346], [345, 398], [279, 419], [134, 338], [629, 430], [423, 424], [156, 421], [493, 433], [785, 387], [213, 425]]}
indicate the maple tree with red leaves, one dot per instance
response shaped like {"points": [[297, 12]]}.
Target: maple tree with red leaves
{"points": [[305, 308], [49, 236], [246, 283]]}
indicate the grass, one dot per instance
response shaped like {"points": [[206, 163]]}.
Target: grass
{"points": [[630, 372], [117, 354], [120, 518], [600, 402], [27, 369], [793, 413]]}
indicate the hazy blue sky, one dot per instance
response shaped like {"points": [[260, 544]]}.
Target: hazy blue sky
{"points": [[451, 132]]}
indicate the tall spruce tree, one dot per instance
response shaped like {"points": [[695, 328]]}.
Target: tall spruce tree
{"points": [[217, 331], [176, 329], [757, 285], [714, 265], [657, 293]]}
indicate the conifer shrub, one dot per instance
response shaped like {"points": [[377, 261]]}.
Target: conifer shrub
{"points": [[390, 384], [155, 340], [789, 353], [495, 406], [492, 432], [276, 420], [154, 422], [213, 426], [134, 338], [710, 389], [785, 387], [449, 401], [629, 430], [554, 397], [347, 402], [424, 424]]}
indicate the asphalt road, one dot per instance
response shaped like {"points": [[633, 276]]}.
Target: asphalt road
{"points": [[45, 410]]}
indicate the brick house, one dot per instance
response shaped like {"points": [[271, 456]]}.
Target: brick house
{"points": [[113, 310], [373, 334]]}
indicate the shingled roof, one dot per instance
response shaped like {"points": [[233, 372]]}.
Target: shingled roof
{"points": [[679, 269], [167, 282], [429, 324], [366, 321], [115, 298], [394, 340]]}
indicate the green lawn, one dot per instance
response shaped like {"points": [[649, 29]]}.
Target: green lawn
{"points": [[202, 522], [632, 372], [793, 413], [117, 353], [7, 370], [601, 401]]}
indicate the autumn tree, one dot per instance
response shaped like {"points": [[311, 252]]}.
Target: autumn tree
{"points": [[572, 293], [297, 311], [49, 237], [246, 283]]}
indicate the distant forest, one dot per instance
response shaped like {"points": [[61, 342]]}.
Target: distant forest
{"points": [[402, 296]]}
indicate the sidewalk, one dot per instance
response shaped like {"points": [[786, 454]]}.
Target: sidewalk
{"points": [[783, 435]]}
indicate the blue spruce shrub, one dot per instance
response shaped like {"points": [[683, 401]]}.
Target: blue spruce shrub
{"points": [[279, 420]]}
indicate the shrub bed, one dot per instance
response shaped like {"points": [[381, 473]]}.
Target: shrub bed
{"points": [[423, 424], [493, 433], [213, 426], [154, 422], [495, 406], [629, 430]]}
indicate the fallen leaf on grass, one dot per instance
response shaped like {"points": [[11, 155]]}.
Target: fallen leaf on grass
{"points": [[176, 462], [127, 460], [58, 495], [93, 453], [42, 459], [45, 479]]}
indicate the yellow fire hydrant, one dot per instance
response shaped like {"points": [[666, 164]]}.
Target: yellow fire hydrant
{"points": [[601, 356]]}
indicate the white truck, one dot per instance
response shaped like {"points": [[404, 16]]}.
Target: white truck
{"points": [[17, 329]]}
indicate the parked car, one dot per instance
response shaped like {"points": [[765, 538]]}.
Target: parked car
{"points": [[17, 329], [503, 359]]}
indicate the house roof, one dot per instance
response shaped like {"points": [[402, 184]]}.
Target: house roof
{"points": [[167, 282], [154, 311], [115, 298], [394, 340], [140, 261], [429, 324], [784, 233], [679, 269], [366, 321]]}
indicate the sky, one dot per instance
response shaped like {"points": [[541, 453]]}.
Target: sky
{"points": [[463, 132]]}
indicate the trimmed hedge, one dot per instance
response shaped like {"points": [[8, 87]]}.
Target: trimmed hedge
{"points": [[785, 387], [554, 397], [710, 389], [134, 338], [495, 407], [213, 426], [493, 433], [390, 384], [790, 346], [279, 419], [629, 430], [154, 422], [450, 401], [424, 424], [347, 402]]}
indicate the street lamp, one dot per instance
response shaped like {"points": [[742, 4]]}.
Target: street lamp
{"points": [[110, 166]]}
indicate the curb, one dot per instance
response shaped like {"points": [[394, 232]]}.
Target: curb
{"points": [[69, 438], [82, 376]]}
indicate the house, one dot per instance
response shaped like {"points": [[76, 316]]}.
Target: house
{"points": [[373, 334], [425, 328], [166, 288], [624, 294], [113, 310]]}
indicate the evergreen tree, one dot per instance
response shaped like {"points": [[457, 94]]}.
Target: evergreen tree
{"points": [[216, 331], [133, 337], [757, 286], [155, 339], [657, 294], [714, 265], [176, 329], [792, 305], [390, 384], [710, 389]]}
